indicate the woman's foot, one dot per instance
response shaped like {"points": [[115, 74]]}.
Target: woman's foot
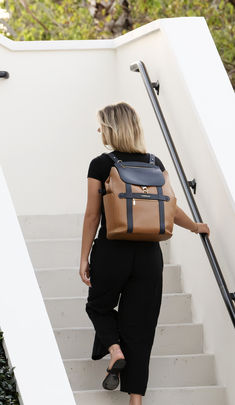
{"points": [[115, 353], [116, 364]]}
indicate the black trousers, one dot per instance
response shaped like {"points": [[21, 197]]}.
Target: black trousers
{"points": [[128, 274]]}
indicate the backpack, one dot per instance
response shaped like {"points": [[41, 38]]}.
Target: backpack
{"points": [[139, 202]]}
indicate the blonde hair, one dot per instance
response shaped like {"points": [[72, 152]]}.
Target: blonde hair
{"points": [[121, 128]]}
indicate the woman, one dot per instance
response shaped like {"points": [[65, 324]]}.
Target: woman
{"points": [[122, 272]]}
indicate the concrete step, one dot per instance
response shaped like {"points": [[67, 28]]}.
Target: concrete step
{"points": [[66, 282], [180, 373], [196, 395], [164, 371], [49, 227], [169, 339], [51, 253], [70, 312], [54, 253]]}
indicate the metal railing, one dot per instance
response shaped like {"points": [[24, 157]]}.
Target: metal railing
{"points": [[150, 87]]}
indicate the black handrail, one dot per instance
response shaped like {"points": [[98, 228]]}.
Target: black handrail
{"points": [[228, 297]]}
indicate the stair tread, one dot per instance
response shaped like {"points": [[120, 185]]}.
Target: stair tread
{"points": [[85, 297], [159, 325], [152, 356], [186, 387], [75, 267]]}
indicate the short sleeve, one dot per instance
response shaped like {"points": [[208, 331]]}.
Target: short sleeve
{"points": [[95, 169], [159, 163]]}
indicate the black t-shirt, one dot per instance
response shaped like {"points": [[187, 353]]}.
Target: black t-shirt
{"points": [[99, 169]]}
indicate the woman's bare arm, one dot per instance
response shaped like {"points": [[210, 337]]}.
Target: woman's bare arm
{"points": [[182, 219], [90, 225]]}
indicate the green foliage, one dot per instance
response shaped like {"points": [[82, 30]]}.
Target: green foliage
{"points": [[219, 15], [8, 394], [72, 19]]}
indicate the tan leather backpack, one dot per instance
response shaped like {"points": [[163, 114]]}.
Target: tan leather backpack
{"points": [[139, 202]]}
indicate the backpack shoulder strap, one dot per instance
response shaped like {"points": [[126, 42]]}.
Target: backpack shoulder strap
{"points": [[151, 158], [113, 157]]}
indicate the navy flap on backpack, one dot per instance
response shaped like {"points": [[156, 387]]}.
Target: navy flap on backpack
{"points": [[140, 173]]}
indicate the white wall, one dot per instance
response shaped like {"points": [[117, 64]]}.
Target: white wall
{"points": [[48, 122], [29, 340], [61, 88], [196, 126]]}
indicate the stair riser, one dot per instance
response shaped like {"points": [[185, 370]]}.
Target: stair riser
{"points": [[68, 283], [59, 253], [51, 226], [168, 340], [163, 372], [162, 396], [72, 313]]}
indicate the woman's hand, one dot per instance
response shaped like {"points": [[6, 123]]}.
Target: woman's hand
{"points": [[85, 272], [201, 228]]}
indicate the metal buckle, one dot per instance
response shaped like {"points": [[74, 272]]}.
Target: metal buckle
{"points": [[145, 189]]}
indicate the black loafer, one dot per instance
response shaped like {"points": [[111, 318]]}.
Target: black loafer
{"points": [[111, 380]]}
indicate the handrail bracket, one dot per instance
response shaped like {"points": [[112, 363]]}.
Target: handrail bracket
{"points": [[193, 185], [156, 86], [4, 74], [232, 295]]}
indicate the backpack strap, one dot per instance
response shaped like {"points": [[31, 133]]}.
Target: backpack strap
{"points": [[113, 157], [151, 158]]}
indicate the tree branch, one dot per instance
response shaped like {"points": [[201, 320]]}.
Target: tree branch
{"points": [[232, 2], [25, 5]]}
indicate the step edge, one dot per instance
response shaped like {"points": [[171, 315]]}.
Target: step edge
{"points": [[187, 355], [60, 268], [186, 387], [85, 297], [160, 325]]}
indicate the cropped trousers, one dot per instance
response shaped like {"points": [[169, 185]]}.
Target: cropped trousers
{"points": [[127, 274]]}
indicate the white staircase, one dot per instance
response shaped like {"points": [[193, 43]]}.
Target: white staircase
{"points": [[180, 372]]}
